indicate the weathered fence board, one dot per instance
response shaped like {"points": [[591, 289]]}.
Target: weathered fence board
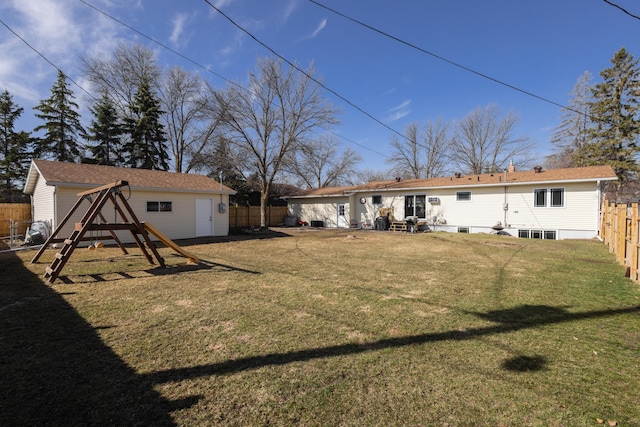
{"points": [[18, 212], [249, 216], [620, 231]]}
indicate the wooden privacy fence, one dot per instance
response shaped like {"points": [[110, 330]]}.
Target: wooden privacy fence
{"points": [[249, 216], [620, 230], [20, 213]]}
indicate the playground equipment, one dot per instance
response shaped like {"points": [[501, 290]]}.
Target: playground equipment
{"points": [[97, 198]]}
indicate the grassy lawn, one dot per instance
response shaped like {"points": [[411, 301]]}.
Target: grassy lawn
{"points": [[324, 328]]}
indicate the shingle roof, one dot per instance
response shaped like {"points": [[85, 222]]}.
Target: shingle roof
{"points": [[591, 173], [86, 175]]}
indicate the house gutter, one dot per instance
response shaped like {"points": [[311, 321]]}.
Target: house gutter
{"points": [[465, 184]]}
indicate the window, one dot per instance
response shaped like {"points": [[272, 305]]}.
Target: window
{"points": [[556, 197], [463, 196], [159, 206], [537, 234], [540, 197], [376, 200], [341, 209], [415, 206]]}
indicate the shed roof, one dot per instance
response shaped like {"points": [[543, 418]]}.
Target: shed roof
{"points": [[583, 174], [89, 176]]}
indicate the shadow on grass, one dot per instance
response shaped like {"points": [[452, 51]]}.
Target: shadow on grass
{"points": [[202, 265], [55, 369], [509, 320]]}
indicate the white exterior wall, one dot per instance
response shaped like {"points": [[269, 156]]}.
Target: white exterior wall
{"points": [[580, 210], [578, 218], [180, 223], [42, 202], [320, 209]]}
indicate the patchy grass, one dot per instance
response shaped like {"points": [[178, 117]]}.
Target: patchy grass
{"points": [[325, 327]]}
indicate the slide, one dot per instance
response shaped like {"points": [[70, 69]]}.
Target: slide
{"points": [[192, 259]]}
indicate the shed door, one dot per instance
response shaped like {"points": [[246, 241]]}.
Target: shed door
{"points": [[204, 217]]}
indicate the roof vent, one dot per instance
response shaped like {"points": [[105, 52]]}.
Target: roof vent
{"points": [[458, 174], [398, 179], [537, 169]]}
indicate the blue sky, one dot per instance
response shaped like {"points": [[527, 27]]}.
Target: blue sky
{"points": [[541, 47]]}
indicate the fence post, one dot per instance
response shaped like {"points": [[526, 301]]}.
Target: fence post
{"points": [[633, 257]]}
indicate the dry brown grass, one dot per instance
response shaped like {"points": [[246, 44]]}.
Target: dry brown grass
{"points": [[325, 327]]}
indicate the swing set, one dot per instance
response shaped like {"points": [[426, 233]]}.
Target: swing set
{"points": [[98, 198]]}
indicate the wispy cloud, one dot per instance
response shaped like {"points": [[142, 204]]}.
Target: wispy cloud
{"points": [[179, 21], [405, 104], [62, 31], [319, 28], [398, 112], [288, 11]]}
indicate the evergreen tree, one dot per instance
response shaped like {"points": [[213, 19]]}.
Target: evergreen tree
{"points": [[14, 148], [61, 124], [147, 148], [106, 133], [614, 110]]}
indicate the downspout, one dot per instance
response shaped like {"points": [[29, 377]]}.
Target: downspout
{"points": [[505, 204]]}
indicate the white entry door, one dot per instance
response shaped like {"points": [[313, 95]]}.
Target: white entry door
{"points": [[342, 216], [204, 217]]}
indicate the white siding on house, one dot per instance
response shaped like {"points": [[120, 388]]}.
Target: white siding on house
{"points": [[320, 209], [43, 211], [177, 224], [577, 218]]}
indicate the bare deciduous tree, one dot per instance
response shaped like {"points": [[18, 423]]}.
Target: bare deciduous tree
{"points": [[485, 142], [319, 164], [436, 141], [570, 136], [274, 118], [406, 154], [191, 116], [120, 74], [422, 153]]}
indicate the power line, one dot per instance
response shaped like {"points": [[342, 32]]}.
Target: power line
{"points": [[186, 58], [159, 43], [291, 64], [622, 9], [439, 57], [46, 59]]}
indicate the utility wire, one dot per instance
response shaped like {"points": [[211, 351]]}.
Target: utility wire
{"points": [[441, 58], [186, 58], [46, 59], [304, 72], [621, 8], [159, 43]]}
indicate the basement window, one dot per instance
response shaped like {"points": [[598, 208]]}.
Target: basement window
{"points": [[463, 230], [159, 206], [538, 234]]}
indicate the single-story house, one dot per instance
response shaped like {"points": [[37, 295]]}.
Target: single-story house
{"points": [[180, 205], [538, 203]]}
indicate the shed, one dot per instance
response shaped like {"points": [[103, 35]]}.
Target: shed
{"points": [[180, 205]]}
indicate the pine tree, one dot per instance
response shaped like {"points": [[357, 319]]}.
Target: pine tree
{"points": [[106, 133], [61, 124], [614, 109], [14, 148], [570, 136], [147, 148]]}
